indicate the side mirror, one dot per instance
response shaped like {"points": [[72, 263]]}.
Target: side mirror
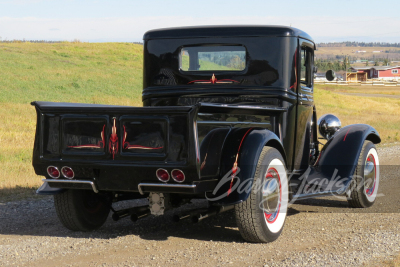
{"points": [[328, 125], [330, 75], [315, 69]]}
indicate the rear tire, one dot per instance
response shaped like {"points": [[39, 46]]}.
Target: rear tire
{"points": [[262, 216], [364, 186], [81, 210]]}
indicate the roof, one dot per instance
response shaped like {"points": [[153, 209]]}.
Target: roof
{"points": [[376, 67], [225, 31]]}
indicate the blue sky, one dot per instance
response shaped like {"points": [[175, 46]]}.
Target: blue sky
{"points": [[123, 20]]}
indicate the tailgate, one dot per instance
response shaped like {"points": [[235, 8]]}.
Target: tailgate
{"points": [[118, 136]]}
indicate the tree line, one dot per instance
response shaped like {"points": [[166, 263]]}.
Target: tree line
{"points": [[324, 65]]}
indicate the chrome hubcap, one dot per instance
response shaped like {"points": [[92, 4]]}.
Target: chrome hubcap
{"points": [[369, 175], [271, 195]]}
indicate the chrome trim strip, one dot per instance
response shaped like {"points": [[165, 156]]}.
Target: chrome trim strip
{"points": [[235, 122], [196, 142], [73, 182], [165, 185]]}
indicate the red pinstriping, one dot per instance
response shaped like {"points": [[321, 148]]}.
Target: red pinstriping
{"points": [[113, 142], [344, 139], [127, 145], [100, 144], [213, 80], [234, 168]]}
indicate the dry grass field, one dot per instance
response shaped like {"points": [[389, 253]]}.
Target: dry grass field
{"points": [[111, 73], [380, 112], [324, 52], [364, 89]]}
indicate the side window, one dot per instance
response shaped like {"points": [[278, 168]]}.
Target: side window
{"points": [[306, 67]]}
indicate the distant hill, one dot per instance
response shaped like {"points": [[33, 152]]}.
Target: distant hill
{"points": [[358, 44], [375, 53]]}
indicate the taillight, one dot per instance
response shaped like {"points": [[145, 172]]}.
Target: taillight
{"points": [[178, 175], [53, 172], [67, 172], [162, 175]]}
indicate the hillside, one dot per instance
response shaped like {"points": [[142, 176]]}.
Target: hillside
{"points": [[107, 73], [335, 53], [111, 73]]}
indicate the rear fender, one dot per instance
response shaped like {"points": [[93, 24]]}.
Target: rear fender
{"points": [[239, 160], [339, 156]]}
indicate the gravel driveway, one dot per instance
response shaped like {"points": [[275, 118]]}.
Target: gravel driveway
{"points": [[317, 233]]}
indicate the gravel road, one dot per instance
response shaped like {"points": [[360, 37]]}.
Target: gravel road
{"points": [[317, 233]]}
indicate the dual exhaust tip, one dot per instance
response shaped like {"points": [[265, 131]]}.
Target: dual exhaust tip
{"points": [[176, 174], [55, 173]]}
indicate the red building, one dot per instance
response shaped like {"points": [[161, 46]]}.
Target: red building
{"points": [[381, 73]]}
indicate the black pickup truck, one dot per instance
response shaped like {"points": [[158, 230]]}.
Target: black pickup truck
{"points": [[228, 115]]}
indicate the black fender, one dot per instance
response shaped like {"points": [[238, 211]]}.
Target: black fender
{"points": [[240, 154], [339, 157]]}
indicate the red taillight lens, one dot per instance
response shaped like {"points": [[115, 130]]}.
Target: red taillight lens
{"points": [[162, 175], [178, 176], [53, 172], [67, 172]]}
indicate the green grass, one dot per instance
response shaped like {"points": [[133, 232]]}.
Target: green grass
{"points": [[111, 73], [84, 72], [106, 73]]}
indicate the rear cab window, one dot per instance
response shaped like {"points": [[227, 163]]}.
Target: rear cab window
{"points": [[213, 58]]}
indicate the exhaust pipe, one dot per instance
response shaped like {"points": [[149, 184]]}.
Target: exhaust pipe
{"points": [[187, 214], [119, 214], [213, 210], [140, 215], [180, 217]]}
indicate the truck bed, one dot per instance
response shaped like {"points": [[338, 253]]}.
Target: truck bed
{"points": [[120, 148]]}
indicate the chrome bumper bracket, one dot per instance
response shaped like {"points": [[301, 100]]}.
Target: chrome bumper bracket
{"points": [[72, 182]]}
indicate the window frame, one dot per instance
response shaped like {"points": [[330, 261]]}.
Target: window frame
{"points": [[305, 45]]}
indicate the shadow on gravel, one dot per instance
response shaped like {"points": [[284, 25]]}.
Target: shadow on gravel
{"points": [[38, 218], [320, 202]]}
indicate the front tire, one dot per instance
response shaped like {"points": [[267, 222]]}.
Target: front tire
{"points": [[81, 210], [365, 183], [262, 216]]}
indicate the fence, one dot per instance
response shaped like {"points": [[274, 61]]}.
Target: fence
{"points": [[374, 83]]}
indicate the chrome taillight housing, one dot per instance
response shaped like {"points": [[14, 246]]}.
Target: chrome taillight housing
{"points": [[53, 172], [162, 175], [67, 172], [178, 175]]}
